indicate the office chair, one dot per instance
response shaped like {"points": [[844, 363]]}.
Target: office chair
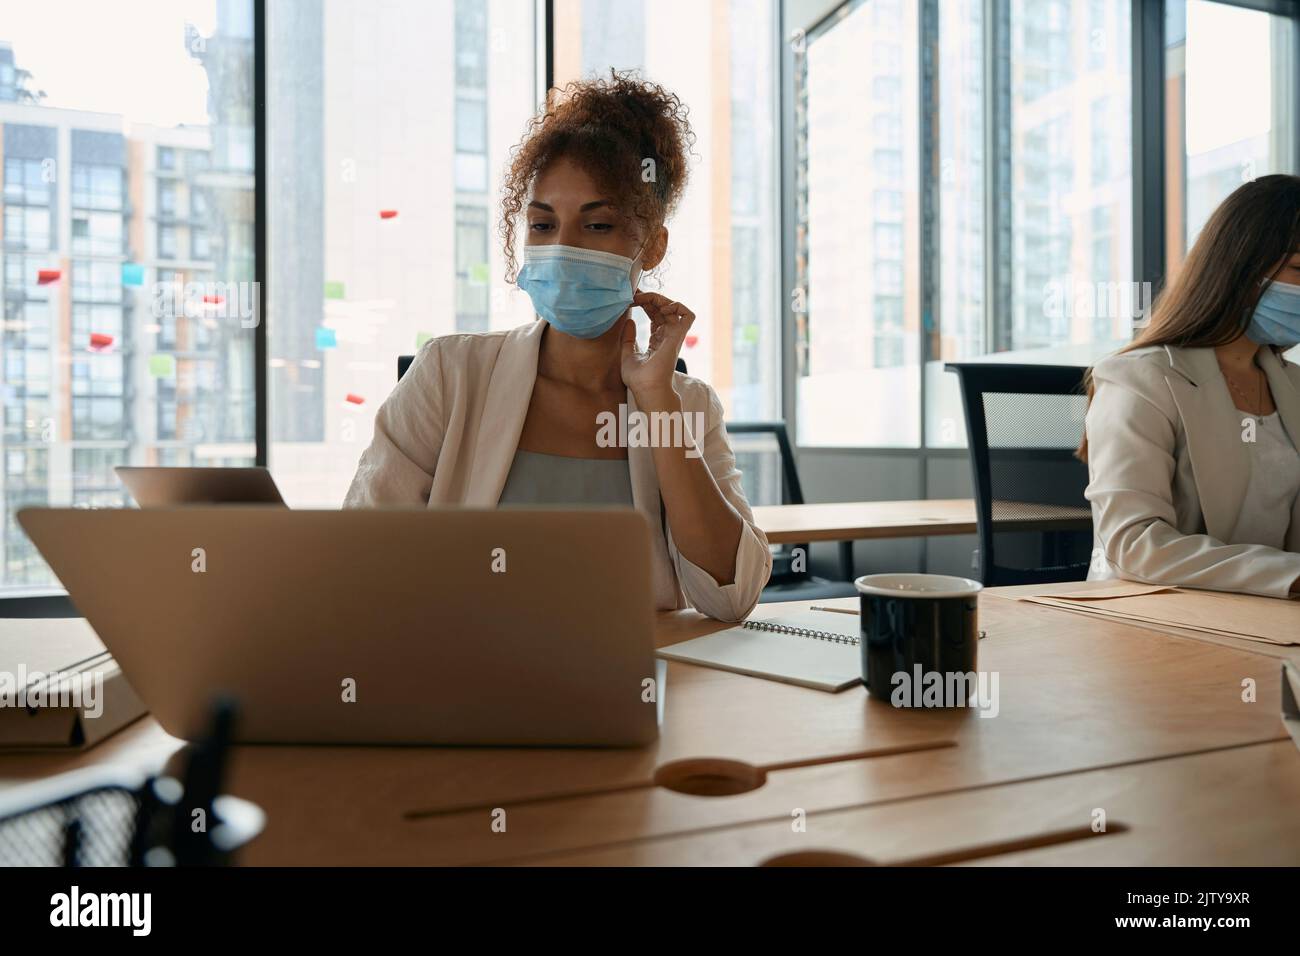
{"points": [[1023, 424], [404, 362], [116, 819], [770, 479], [38, 605]]}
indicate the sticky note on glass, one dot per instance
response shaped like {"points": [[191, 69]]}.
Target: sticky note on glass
{"points": [[692, 341], [132, 274], [98, 340], [333, 290], [478, 273], [355, 399], [46, 276], [162, 366], [421, 338], [326, 338], [388, 214]]}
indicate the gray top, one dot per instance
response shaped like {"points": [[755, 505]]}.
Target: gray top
{"points": [[1265, 516], [538, 479]]}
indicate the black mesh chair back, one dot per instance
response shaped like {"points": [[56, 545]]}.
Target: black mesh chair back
{"points": [[93, 827], [766, 463], [118, 820], [769, 477], [1023, 424]]}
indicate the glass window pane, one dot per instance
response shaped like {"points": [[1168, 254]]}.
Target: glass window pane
{"points": [[1230, 109], [87, 170], [1070, 157], [858, 330], [388, 128], [1060, 275], [723, 241]]}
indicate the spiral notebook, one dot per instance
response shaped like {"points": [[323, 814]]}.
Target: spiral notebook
{"points": [[810, 648]]}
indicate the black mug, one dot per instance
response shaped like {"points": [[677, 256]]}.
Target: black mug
{"points": [[914, 625]]}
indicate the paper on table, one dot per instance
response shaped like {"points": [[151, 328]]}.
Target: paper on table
{"points": [[1272, 620], [1099, 591], [1114, 613]]}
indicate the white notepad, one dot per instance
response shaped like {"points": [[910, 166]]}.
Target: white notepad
{"points": [[811, 648]]}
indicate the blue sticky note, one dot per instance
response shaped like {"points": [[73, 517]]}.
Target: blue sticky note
{"points": [[325, 338], [132, 274]]}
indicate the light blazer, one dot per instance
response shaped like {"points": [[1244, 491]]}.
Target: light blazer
{"points": [[448, 432], [1168, 471]]}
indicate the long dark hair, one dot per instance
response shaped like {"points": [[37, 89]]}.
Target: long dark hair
{"points": [[1210, 299]]}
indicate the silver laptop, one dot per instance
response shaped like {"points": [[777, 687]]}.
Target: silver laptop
{"points": [[159, 487], [465, 626]]}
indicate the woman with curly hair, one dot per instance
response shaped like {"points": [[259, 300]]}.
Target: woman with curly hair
{"points": [[519, 417]]}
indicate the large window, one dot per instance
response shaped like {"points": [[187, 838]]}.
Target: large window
{"points": [[1231, 108], [960, 190], [1025, 171], [99, 360]]}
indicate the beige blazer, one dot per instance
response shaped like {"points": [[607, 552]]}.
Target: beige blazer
{"points": [[448, 432], [1168, 470]]}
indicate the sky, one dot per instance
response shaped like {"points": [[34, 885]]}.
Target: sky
{"points": [[144, 68]]}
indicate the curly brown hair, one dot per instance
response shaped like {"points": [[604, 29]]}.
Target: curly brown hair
{"points": [[609, 127]]}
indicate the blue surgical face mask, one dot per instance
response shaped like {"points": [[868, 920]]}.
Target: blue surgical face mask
{"points": [[1277, 316], [581, 292]]}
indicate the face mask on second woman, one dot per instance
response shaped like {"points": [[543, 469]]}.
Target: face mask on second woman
{"points": [[1277, 316], [581, 292]]}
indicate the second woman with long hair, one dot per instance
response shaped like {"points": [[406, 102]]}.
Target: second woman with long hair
{"points": [[1192, 429]]}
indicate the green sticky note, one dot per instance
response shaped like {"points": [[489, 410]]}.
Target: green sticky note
{"points": [[749, 335], [421, 338], [333, 290], [162, 366], [478, 273]]}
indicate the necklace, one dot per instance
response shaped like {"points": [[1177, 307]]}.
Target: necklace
{"points": [[1259, 394]]}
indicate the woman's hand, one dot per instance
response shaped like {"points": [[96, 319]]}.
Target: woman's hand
{"points": [[649, 374]]}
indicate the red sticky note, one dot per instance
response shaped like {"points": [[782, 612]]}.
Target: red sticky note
{"points": [[355, 399], [691, 341], [46, 276], [98, 340], [388, 214], [214, 299]]}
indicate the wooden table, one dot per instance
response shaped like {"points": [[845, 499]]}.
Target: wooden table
{"points": [[1230, 806], [1149, 727], [862, 520]]}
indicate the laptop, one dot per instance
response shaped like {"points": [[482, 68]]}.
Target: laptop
{"points": [[390, 626], [161, 487]]}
